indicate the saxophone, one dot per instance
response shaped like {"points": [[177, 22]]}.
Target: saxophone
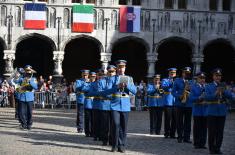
{"points": [[186, 92], [24, 86]]}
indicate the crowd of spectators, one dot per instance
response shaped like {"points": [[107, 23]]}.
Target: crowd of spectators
{"points": [[65, 92]]}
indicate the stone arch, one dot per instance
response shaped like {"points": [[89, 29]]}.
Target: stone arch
{"points": [[81, 52], [37, 35], [174, 52], [139, 40], [134, 50], [2, 48], [219, 52], [3, 43], [36, 50], [101, 47]]}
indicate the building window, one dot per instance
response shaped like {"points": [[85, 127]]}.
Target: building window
{"points": [[169, 4], [114, 20], [101, 19], [3, 16], [66, 18], [95, 19], [136, 2], [182, 4], [47, 17], [226, 5], [18, 16], [53, 18], [213, 5], [76, 1], [122, 2], [91, 1], [42, 0]]}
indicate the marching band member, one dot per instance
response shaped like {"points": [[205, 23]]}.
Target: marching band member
{"points": [[96, 105], [120, 87], [79, 85], [181, 91], [168, 101], [88, 105], [103, 84], [155, 104], [199, 110], [27, 85], [215, 96]]}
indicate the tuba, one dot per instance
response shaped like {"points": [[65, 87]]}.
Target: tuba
{"points": [[186, 92]]}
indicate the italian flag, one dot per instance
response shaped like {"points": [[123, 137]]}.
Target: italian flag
{"points": [[83, 18]]}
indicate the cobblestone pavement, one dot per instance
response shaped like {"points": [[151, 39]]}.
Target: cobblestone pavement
{"points": [[54, 132]]}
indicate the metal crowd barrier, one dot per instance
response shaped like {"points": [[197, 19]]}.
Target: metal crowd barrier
{"points": [[54, 99], [4, 99]]}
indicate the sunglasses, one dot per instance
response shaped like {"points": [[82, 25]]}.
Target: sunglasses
{"points": [[111, 71]]}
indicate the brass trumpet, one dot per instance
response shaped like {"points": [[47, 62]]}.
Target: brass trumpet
{"points": [[186, 92]]}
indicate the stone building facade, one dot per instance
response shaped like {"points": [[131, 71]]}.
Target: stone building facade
{"points": [[195, 22]]}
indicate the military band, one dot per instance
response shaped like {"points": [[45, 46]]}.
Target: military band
{"points": [[105, 101]]}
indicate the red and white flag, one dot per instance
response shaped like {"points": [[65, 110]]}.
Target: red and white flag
{"points": [[34, 16]]}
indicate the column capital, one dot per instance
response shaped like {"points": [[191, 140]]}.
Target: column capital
{"points": [[152, 57], [105, 57], [9, 55], [58, 55], [198, 58]]}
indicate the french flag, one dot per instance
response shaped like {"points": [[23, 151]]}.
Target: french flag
{"points": [[35, 16], [129, 19]]}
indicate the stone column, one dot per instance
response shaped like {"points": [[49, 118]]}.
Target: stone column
{"points": [[197, 61], [151, 58], [105, 58], [58, 58], [220, 5], [9, 57]]}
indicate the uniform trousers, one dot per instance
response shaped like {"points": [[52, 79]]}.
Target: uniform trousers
{"points": [[97, 124], [26, 114], [169, 121], [119, 129], [215, 132], [88, 123], [184, 117], [105, 126], [80, 117], [199, 131], [155, 114]]}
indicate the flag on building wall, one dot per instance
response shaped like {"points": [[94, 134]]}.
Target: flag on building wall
{"points": [[83, 18], [129, 19], [34, 16]]}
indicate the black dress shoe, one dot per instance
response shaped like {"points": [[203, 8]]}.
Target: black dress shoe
{"points": [[219, 152], [172, 137], [203, 147], [179, 140], [212, 152], [197, 147], [122, 150], [105, 143], [95, 139], [166, 136], [187, 141], [114, 149]]}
